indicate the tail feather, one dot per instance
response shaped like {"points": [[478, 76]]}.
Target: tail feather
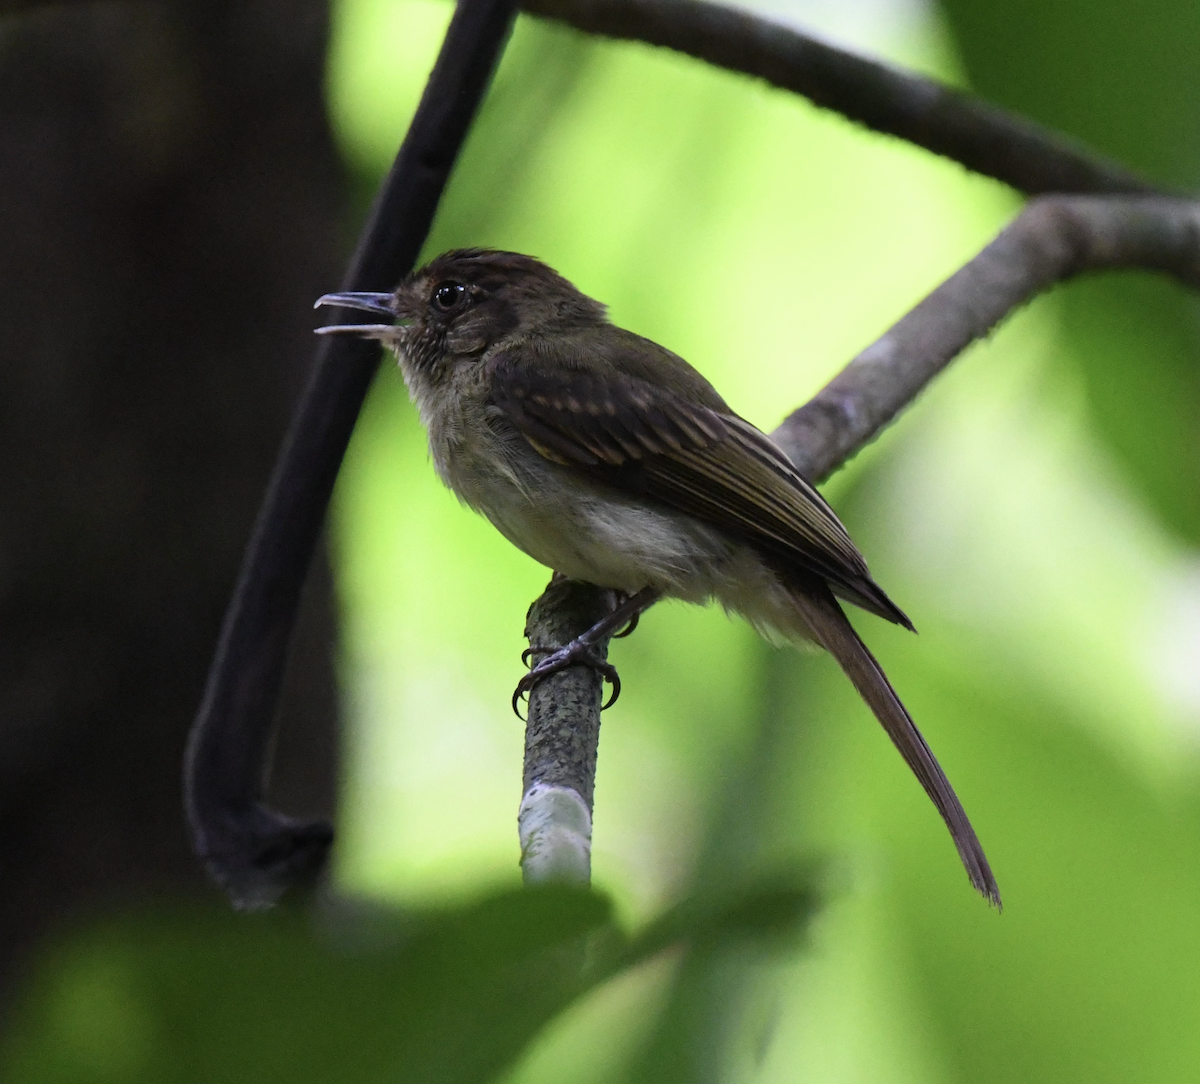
{"points": [[833, 631]]}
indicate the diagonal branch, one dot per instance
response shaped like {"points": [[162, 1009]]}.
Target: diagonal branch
{"points": [[1053, 239], [254, 852], [959, 126]]}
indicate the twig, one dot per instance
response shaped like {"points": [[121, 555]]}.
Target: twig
{"points": [[1053, 239], [983, 137], [254, 852]]}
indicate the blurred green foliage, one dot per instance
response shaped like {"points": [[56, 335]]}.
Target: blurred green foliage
{"points": [[443, 997], [213, 996], [1124, 78], [1035, 513]]}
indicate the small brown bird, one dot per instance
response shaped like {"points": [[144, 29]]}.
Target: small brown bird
{"points": [[611, 460]]}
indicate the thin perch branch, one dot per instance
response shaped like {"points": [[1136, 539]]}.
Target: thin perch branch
{"points": [[1053, 239], [254, 852], [966, 129], [561, 739]]}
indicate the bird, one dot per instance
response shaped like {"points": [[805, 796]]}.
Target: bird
{"points": [[610, 459]]}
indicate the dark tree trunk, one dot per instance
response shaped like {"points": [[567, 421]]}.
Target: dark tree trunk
{"points": [[169, 203]]}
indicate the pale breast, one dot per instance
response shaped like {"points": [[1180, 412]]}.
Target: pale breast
{"points": [[565, 520]]}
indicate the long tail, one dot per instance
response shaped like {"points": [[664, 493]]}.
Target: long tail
{"points": [[834, 632]]}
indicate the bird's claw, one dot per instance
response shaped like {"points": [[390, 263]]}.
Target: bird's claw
{"points": [[628, 629], [574, 654]]}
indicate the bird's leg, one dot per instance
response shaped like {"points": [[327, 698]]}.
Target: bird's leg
{"points": [[581, 651]]}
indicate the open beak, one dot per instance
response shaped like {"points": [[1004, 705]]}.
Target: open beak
{"points": [[376, 303]]}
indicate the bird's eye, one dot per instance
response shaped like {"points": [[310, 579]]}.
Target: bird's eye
{"points": [[448, 295]]}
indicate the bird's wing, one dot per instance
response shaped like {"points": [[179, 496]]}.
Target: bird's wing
{"points": [[645, 439]]}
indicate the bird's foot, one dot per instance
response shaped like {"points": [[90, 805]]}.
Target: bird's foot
{"points": [[579, 652], [582, 651]]}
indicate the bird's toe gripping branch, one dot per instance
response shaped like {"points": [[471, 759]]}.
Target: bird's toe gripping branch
{"points": [[579, 652], [583, 651]]}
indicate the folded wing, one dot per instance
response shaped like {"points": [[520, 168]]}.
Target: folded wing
{"points": [[694, 456]]}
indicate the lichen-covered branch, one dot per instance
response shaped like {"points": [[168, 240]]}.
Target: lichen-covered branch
{"points": [[949, 122], [1053, 239], [561, 738]]}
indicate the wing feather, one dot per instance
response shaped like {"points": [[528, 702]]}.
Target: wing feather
{"points": [[706, 462]]}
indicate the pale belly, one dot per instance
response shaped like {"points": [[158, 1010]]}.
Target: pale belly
{"points": [[587, 531]]}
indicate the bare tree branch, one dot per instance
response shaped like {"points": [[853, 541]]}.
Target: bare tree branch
{"points": [[1053, 239], [983, 137], [254, 852]]}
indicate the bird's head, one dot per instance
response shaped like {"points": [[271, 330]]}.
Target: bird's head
{"points": [[464, 302]]}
